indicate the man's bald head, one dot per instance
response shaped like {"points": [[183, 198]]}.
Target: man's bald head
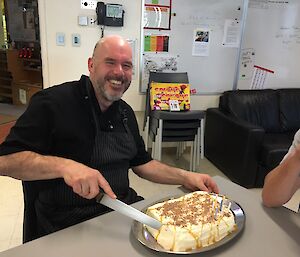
{"points": [[115, 41], [110, 69]]}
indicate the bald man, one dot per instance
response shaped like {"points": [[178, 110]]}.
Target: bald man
{"points": [[78, 137]]}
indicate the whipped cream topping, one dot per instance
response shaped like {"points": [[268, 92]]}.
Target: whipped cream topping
{"points": [[192, 221]]}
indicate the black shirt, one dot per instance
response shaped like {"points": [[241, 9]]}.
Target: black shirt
{"points": [[59, 122]]}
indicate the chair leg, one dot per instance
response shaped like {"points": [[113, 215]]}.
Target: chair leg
{"points": [[195, 152], [185, 145], [146, 134], [153, 150], [159, 139], [198, 147], [177, 151], [191, 157], [202, 138], [180, 147]]}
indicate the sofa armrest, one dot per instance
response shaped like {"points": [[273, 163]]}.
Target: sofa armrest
{"points": [[233, 145]]}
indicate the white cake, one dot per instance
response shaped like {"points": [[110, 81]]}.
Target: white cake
{"points": [[192, 221]]}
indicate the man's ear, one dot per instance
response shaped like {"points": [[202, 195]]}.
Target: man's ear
{"points": [[90, 64]]}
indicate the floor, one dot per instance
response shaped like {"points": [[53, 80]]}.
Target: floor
{"points": [[11, 198]]}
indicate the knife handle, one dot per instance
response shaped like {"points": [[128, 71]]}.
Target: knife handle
{"points": [[99, 197]]}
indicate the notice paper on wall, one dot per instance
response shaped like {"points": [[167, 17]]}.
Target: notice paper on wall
{"points": [[201, 41], [231, 36], [259, 77], [247, 63]]}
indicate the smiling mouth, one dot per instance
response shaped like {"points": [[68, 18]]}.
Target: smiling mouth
{"points": [[115, 83]]}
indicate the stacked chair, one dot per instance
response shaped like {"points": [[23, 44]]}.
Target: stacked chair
{"points": [[179, 126]]}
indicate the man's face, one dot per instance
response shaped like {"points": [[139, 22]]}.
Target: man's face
{"points": [[111, 70]]}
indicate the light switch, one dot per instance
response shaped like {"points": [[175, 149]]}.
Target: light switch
{"points": [[82, 20], [76, 41], [60, 39]]}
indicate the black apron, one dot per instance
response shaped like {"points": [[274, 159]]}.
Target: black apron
{"points": [[58, 206]]}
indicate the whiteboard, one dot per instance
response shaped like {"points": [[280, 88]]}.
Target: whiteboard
{"points": [[209, 74], [272, 32]]}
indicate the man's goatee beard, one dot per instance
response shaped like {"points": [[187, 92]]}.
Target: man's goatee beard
{"points": [[111, 98]]}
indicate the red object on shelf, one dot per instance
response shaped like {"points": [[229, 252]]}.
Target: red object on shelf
{"points": [[29, 53], [21, 53]]}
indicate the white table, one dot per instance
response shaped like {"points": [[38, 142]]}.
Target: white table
{"points": [[267, 233]]}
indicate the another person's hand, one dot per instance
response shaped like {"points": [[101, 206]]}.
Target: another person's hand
{"points": [[86, 181], [195, 181]]}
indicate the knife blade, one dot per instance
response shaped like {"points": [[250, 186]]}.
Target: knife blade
{"points": [[127, 210]]}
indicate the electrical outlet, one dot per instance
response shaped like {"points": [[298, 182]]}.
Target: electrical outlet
{"points": [[89, 4], [92, 21], [76, 40]]}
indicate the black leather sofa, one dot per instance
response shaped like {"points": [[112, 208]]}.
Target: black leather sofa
{"points": [[251, 131]]}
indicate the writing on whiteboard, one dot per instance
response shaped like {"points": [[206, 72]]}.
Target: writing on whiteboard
{"points": [[288, 35]]}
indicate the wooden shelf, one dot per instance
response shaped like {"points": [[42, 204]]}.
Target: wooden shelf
{"points": [[32, 64], [19, 76], [9, 95], [33, 69], [31, 60], [23, 91], [5, 78], [5, 86]]}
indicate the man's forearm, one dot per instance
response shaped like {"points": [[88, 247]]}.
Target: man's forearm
{"points": [[26, 165], [31, 166], [281, 183], [158, 172]]}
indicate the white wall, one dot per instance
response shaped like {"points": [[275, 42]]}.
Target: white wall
{"points": [[64, 63]]}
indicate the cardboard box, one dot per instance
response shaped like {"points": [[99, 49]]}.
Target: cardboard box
{"points": [[162, 93]]}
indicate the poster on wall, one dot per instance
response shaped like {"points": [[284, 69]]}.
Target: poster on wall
{"points": [[158, 62], [156, 43], [157, 15], [160, 2], [201, 40]]}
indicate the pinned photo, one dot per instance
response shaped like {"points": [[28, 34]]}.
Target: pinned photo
{"points": [[202, 36]]}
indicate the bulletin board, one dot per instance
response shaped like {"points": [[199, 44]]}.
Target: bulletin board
{"points": [[273, 45], [197, 44], [268, 51]]}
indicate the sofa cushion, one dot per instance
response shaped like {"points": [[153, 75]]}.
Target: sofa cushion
{"points": [[259, 107], [289, 106]]}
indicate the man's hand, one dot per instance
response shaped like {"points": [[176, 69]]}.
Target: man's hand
{"points": [[195, 181], [86, 181], [158, 172]]}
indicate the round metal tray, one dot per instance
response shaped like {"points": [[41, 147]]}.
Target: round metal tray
{"points": [[145, 238]]}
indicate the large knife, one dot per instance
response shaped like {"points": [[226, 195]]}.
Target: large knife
{"points": [[127, 210]]}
